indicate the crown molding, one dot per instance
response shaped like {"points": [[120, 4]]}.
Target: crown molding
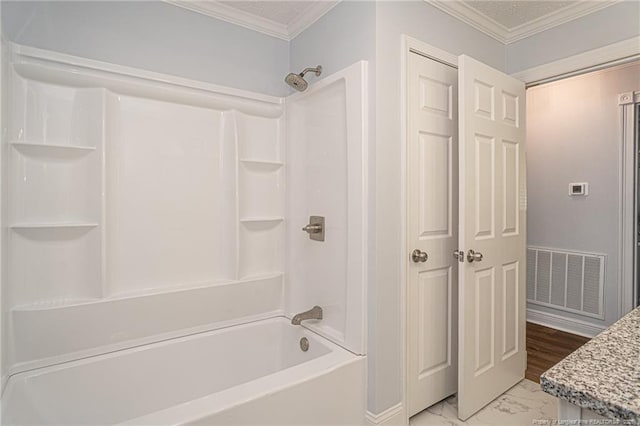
{"points": [[253, 22], [310, 15], [490, 27], [559, 17], [234, 16], [471, 16]]}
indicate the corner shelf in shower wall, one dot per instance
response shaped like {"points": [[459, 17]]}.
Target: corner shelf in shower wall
{"points": [[54, 193], [53, 225], [262, 165], [262, 219], [45, 148]]}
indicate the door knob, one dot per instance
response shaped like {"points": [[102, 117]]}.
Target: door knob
{"points": [[459, 254], [473, 256], [419, 256]]}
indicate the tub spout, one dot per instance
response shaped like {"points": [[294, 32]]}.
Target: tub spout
{"points": [[313, 313]]}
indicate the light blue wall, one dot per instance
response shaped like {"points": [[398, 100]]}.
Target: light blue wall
{"points": [[346, 34], [429, 24], [155, 36], [615, 23]]}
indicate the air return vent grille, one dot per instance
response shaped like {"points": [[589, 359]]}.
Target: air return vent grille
{"points": [[565, 280]]}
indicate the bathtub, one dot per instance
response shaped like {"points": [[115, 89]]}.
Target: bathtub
{"points": [[254, 373]]}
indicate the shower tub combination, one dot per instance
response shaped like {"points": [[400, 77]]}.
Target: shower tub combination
{"points": [[119, 315], [248, 374]]}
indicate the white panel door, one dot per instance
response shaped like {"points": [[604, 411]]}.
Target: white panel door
{"points": [[492, 355], [432, 206]]}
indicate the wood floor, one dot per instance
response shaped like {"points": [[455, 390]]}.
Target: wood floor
{"points": [[546, 347]]}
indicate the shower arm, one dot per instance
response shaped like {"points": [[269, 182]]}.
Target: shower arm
{"points": [[317, 70]]}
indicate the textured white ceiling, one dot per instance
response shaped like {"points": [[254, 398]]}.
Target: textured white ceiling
{"points": [[505, 20], [282, 12], [511, 14]]}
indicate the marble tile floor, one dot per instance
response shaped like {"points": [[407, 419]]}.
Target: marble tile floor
{"points": [[523, 404]]}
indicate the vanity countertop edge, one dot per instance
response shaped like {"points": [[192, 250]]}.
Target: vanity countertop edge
{"points": [[603, 375]]}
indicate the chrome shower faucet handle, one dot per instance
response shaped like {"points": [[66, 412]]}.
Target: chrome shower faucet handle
{"points": [[315, 228]]}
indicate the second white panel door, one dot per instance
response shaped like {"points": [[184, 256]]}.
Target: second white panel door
{"points": [[432, 236]]}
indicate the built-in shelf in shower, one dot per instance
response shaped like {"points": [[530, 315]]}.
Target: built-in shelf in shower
{"points": [[53, 225], [262, 219], [47, 148], [265, 165]]}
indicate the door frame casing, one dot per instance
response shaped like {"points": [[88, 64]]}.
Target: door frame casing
{"points": [[628, 196], [410, 46]]}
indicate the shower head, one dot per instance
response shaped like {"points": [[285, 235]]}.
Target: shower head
{"points": [[298, 82]]}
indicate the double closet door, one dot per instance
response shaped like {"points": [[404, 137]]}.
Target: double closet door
{"points": [[466, 223]]}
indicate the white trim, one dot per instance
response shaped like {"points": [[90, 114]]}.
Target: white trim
{"points": [[627, 98], [3, 208], [408, 45], [570, 325], [309, 17], [568, 413], [620, 52], [41, 55], [471, 16], [559, 17], [478, 20], [628, 212], [235, 16], [224, 12], [74, 71], [391, 416], [424, 49]]}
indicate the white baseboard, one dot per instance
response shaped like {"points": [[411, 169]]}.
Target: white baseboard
{"points": [[570, 325], [392, 416]]}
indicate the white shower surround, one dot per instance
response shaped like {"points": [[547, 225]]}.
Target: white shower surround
{"points": [[145, 207]]}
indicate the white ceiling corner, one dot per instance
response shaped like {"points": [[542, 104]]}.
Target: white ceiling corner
{"points": [[500, 28], [284, 20], [316, 11]]}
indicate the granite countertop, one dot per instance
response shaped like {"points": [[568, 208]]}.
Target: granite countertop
{"points": [[604, 374]]}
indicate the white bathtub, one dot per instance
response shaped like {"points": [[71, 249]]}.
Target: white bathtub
{"points": [[254, 373]]}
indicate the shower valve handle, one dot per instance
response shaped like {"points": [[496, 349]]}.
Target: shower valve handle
{"points": [[315, 228], [312, 228]]}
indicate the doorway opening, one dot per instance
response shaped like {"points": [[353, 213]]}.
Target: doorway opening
{"points": [[582, 199]]}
